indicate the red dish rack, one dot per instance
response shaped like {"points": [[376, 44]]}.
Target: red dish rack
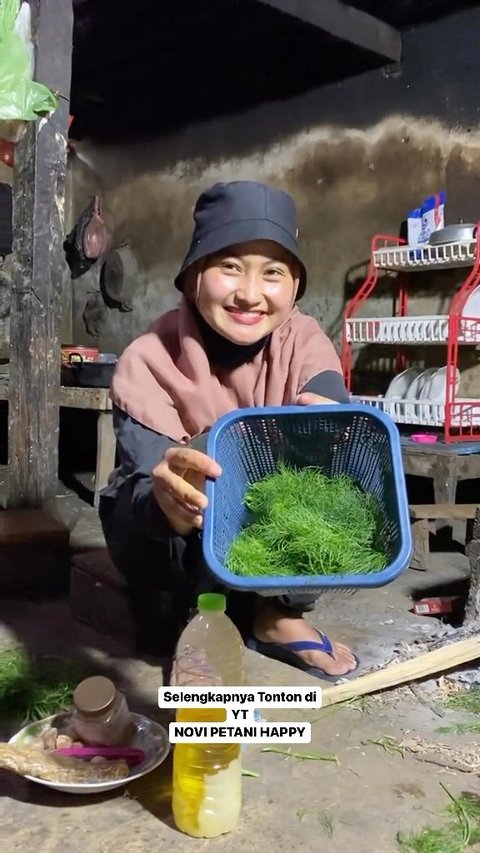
{"points": [[458, 417]]}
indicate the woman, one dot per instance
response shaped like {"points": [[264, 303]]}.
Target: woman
{"points": [[236, 340]]}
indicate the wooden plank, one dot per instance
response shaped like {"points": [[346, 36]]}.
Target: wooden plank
{"points": [[346, 23], [459, 512], [472, 607], [428, 463], [106, 449], [421, 544], [38, 225], [86, 398], [429, 663], [73, 397]]}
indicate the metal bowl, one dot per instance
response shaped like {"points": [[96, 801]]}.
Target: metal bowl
{"points": [[460, 232]]}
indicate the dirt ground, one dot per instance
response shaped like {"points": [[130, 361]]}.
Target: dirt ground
{"points": [[359, 801]]}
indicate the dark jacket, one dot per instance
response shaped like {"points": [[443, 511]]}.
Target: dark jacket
{"points": [[165, 571]]}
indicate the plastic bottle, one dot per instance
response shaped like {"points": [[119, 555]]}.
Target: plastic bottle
{"points": [[207, 778]]}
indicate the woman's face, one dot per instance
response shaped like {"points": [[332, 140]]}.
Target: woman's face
{"points": [[247, 291]]}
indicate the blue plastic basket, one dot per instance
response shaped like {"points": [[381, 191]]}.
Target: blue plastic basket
{"points": [[340, 439]]}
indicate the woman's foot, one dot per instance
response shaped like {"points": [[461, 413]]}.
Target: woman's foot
{"points": [[275, 626]]}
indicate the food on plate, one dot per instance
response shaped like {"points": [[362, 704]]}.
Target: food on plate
{"points": [[46, 765]]}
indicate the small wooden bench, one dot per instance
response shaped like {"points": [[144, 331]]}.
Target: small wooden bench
{"points": [[422, 514], [98, 399]]}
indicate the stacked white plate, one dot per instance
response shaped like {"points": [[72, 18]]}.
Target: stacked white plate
{"points": [[415, 386], [400, 385]]}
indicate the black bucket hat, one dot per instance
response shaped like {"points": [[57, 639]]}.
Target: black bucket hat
{"points": [[228, 214]]}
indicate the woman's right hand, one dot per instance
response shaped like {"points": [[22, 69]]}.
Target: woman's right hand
{"points": [[179, 486]]}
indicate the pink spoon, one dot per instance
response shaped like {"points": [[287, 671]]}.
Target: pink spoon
{"points": [[127, 753]]}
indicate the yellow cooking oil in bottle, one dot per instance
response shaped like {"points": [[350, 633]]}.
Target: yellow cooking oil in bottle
{"points": [[207, 778]]}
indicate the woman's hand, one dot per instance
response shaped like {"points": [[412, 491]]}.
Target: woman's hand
{"points": [[179, 486], [308, 399]]}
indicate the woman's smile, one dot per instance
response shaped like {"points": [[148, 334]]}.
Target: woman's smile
{"points": [[245, 318]]}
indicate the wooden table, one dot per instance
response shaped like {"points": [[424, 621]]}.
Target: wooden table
{"points": [[422, 515], [446, 464], [96, 399]]}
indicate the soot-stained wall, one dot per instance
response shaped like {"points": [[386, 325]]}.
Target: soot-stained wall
{"points": [[356, 156]]}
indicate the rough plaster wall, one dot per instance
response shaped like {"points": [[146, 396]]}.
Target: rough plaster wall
{"points": [[356, 156], [6, 175], [348, 184]]}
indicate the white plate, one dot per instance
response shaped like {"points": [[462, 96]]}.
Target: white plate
{"points": [[418, 384], [400, 384], [149, 736], [438, 385]]}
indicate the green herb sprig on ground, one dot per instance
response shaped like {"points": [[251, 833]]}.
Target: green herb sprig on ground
{"points": [[33, 688], [459, 834], [303, 522], [465, 700]]}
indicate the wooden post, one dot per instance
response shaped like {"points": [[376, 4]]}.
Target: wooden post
{"points": [[38, 234], [106, 447], [421, 543], [472, 608]]}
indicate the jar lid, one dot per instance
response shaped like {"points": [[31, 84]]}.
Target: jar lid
{"points": [[94, 695]]}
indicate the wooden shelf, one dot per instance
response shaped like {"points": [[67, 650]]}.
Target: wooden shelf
{"points": [[73, 397]]}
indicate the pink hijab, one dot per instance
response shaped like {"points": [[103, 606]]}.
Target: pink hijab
{"points": [[165, 381]]}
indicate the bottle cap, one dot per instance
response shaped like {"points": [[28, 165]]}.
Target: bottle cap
{"points": [[212, 601], [94, 695]]}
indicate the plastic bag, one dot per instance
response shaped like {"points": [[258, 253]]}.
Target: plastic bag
{"points": [[21, 99]]}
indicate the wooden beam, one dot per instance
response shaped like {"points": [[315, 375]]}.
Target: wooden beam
{"points": [[422, 666], [38, 233], [346, 23], [455, 512]]}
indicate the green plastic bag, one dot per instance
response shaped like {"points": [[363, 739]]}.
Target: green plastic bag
{"points": [[20, 97]]}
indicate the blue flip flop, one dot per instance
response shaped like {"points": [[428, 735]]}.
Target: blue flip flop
{"points": [[285, 652]]}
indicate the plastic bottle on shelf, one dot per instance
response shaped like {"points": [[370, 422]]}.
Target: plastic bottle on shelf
{"points": [[207, 778]]}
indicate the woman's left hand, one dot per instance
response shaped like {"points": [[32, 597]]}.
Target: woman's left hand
{"points": [[308, 399]]}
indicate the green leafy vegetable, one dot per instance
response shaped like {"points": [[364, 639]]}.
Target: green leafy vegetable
{"points": [[33, 688], [459, 834], [459, 729], [465, 700], [326, 822], [303, 522]]}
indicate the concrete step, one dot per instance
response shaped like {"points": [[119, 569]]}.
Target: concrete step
{"points": [[34, 553], [98, 595]]}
